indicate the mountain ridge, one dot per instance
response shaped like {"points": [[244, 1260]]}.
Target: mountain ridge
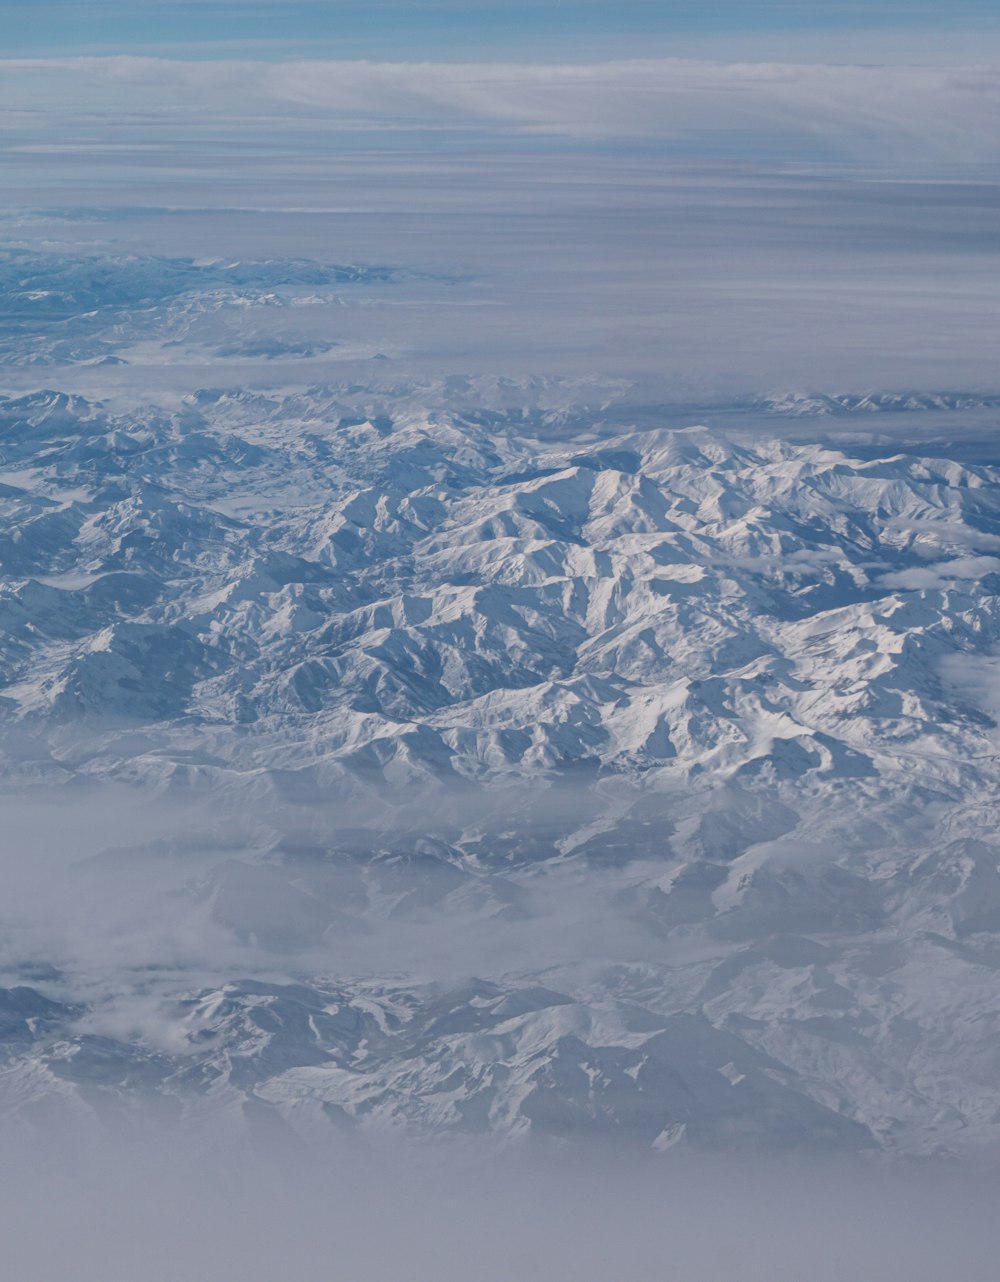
{"points": [[734, 698]]}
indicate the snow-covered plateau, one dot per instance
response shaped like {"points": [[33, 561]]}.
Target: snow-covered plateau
{"points": [[505, 774]]}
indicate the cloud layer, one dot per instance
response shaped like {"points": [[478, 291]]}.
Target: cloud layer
{"points": [[899, 113]]}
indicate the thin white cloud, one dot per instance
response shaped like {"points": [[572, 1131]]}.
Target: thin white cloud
{"points": [[895, 112]]}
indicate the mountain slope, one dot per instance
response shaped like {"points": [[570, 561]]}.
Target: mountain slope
{"points": [[686, 741]]}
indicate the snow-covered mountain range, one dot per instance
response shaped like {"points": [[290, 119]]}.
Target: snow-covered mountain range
{"points": [[684, 738]]}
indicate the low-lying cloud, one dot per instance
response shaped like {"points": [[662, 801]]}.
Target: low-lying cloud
{"points": [[118, 1214]]}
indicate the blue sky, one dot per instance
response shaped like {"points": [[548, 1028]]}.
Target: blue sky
{"points": [[481, 29]]}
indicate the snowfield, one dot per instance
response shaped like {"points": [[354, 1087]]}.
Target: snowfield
{"points": [[528, 775]]}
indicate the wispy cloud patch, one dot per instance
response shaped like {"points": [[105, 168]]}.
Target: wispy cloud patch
{"points": [[870, 112]]}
